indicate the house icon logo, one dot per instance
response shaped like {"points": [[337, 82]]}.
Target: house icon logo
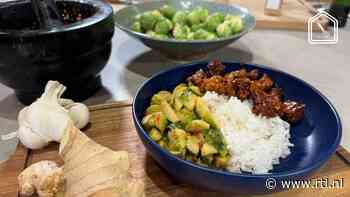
{"points": [[326, 37]]}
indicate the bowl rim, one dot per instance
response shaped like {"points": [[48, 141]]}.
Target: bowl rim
{"points": [[103, 11], [145, 36], [307, 170]]}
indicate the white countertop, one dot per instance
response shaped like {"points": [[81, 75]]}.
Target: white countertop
{"points": [[327, 67]]}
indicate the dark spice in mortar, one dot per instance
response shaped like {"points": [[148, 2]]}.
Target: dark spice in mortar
{"points": [[21, 16], [73, 12]]}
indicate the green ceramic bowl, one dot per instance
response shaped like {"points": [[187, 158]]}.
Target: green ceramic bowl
{"points": [[178, 49]]}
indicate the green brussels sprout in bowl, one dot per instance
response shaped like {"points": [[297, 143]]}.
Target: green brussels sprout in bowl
{"points": [[196, 24], [185, 29], [180, 17]]}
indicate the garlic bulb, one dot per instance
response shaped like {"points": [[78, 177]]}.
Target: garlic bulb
{"points": [[45, 120], [78, 112]]}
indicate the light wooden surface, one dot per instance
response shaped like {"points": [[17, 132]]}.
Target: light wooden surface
{"points": [[9, 171], [294, 14], [112, 126]]}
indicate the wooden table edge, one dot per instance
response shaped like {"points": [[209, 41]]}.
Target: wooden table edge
{"points": [[113, 104]]}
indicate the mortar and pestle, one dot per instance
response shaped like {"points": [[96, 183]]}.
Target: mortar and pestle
{"points": [[41, 40]]}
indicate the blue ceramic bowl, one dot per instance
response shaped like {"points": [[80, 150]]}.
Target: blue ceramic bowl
{"points": [[176, 49], [315, 138]]}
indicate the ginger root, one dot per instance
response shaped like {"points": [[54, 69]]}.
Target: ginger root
{"points": [[44, 178], [135, 188], [92, 170], [89, 170]]}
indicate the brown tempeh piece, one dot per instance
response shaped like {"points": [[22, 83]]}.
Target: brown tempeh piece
{"points": [[267, 98]]}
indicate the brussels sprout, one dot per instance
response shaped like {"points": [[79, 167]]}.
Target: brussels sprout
{"points": [[178, 104], [177, 93], [208, 149], [163, 144], [136, 26], [168, 11], [160, 36], [153, 108], [212, 36], [163, 26], [224, 29], [222, 162], [177, 140], [204, 13], [231, 17], [155, 134], [194, 17], [148, 122], [157, 120], [235, 22], [180, 17], [161, 95], [190, 36], [198, 16], [157, 36], [149, 19], [202, 109], [238, 27], [196, 27], [186, 116], [160, 121], [181, 31], [169, 112], [138, 17], [151, 33], [179, 90], [157, 14], [214, 20], [195, 90], [197, 126], [190, 101], [202, 34], [193, 144]]}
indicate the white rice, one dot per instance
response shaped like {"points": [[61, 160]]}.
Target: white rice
{"points": [[256, 143]]}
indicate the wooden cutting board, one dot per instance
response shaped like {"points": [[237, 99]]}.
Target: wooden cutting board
{"points": [[9, 171], [111, 125], [294, 14]]}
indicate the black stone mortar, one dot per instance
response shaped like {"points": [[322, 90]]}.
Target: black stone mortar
{"points": [[73, 54]]}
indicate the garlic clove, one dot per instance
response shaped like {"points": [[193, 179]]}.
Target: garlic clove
{"points": [[30, 139], [25, 134], [79, 114], [66, 103], [48, 120]]}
